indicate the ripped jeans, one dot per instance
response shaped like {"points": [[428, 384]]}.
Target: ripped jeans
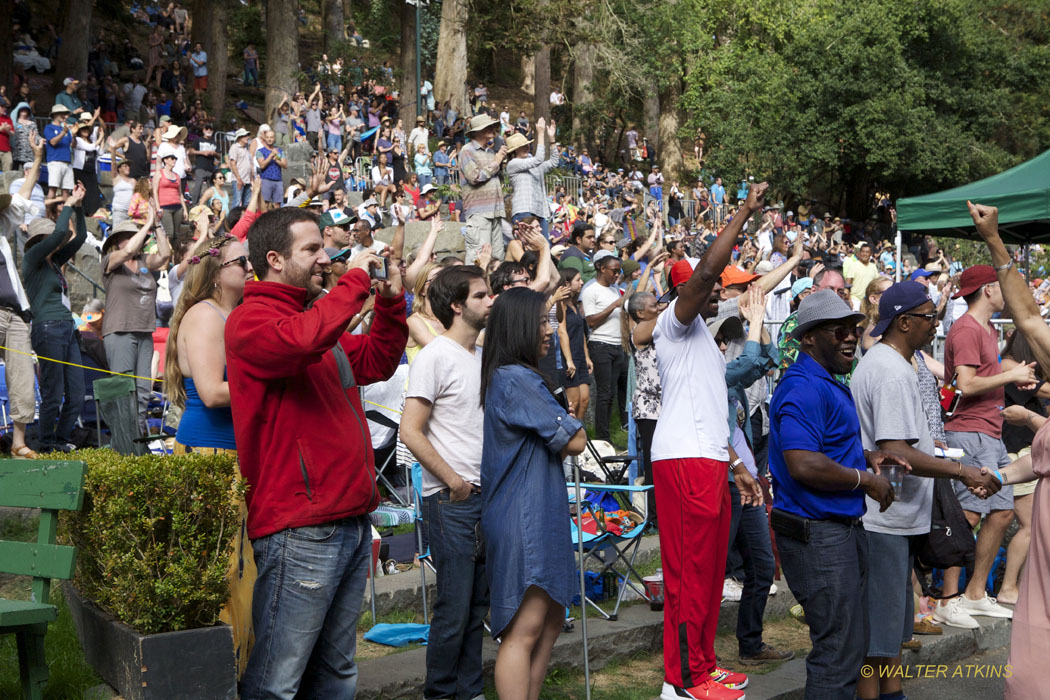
{"points": [[306, 603]]}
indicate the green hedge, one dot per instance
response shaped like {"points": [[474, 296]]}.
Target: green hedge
{"points": [[154, 537]]}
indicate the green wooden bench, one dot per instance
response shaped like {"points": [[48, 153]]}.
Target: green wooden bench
{"points": [[51, 487]]}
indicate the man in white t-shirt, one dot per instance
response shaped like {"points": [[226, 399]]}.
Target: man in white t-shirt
{"points": [[442, 426], [602, 304], [691, 459]]}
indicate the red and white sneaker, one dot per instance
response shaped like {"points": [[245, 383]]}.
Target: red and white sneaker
{"points": [[708, 690], [730, 679]]}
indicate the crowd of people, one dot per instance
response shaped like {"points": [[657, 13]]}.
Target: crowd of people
{"points": [[756, 353]]}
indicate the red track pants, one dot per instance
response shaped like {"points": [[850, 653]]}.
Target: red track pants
{"points": [[692, 503]]}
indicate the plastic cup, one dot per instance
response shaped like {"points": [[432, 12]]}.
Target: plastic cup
{"points": [[654, 586], [895, 474]]}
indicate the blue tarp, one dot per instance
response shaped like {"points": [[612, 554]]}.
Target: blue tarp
{"points": [[398, 635]]}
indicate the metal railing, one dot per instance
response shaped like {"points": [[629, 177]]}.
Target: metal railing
{"points": [[95, 286]]}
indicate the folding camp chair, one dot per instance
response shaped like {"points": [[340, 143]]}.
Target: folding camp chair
{"points": [[389, 464], [613, 466], [117, 406], [609, 539]]}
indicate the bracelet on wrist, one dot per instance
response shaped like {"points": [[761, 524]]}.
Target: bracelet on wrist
{"points": [[1007, 266]]}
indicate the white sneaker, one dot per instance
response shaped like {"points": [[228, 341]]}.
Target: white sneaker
{"points": [[772, 589], [732, 590], [954, 616], [985, 606]]}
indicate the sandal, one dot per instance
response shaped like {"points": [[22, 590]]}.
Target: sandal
{"points": [[24, 452]]}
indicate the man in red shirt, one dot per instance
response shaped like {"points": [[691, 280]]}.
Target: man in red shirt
{"points": [[971, 356], [305, 451], [6, 129]]}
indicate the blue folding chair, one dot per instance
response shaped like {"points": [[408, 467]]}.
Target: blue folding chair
{"points": [[623, 546]]}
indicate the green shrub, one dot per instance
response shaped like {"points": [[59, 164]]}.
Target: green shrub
{"points": [[154, 537]]}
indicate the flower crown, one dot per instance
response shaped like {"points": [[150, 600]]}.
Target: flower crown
{"points": [[213, 252]]}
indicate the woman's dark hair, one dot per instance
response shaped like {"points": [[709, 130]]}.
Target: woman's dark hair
{"points": [[512, 336], [568, 274], [451, 286], [273, 231], [1018, 350], [530, 259]]}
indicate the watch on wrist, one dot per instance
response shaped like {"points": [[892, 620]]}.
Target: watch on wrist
{"points": [[1007, 266]]}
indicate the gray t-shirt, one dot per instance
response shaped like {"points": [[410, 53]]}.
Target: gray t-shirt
{"points": [[889, 405], [448, 376]]}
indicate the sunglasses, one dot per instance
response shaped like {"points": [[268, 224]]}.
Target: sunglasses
{"points": [[929, 317], [842, 333], [240, 260]]}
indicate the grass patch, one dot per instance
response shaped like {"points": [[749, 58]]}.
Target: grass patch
{"points": [[71, 677]]}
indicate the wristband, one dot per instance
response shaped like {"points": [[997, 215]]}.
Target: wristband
{"points": [[735, 463], [999, 476], [1007, 266]]}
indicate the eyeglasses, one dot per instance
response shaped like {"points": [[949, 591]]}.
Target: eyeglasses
{"points": [[519, 282], [929, 317], [240, 260]]}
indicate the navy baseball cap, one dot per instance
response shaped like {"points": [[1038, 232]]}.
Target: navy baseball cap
{"points": [[921, 273], [896, 300]]}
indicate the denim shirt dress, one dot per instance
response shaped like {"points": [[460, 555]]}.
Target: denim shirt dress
{"points": [[525, 505]]}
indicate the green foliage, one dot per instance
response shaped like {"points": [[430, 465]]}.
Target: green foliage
{"points": [[154, 537], [245, 26], [849, 98]]}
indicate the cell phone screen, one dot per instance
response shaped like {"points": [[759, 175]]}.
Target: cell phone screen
{"points": [[383, 271]]}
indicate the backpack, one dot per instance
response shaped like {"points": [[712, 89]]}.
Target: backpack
{"points": [[950, 541]]}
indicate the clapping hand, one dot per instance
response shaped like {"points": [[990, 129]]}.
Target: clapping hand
{"points": [[77, 196], [753, 305]]}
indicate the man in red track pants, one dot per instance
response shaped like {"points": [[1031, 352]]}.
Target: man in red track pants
{"points": [[690, 459]]}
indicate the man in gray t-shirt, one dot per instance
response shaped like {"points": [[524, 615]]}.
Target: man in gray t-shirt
{"points": [[892, 417]]}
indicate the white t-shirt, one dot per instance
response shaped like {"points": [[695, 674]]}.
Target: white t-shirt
{"points": [[446, 375], [377, 247], [595, 298], [694, 413]]}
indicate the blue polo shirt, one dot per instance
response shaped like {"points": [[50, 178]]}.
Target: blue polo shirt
{"points": [[812, 411], [62, 153]]}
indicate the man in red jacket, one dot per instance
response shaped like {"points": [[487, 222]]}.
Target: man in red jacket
{"points": [[305, 451]]}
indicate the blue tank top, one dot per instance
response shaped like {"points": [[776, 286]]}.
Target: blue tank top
{"points": [[202, 426]]}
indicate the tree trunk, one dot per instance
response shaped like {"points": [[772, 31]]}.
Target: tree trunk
{"points": [[582, 76], [282, 52], [334, 26], [7, 63], [76, 37], [451, 70], [651, 116], [528, 75], [541, 105], [670, 147], [348, 10], [410, 106], [218, 60]]}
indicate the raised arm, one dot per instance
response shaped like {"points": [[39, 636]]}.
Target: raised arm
{"points": [[130, 249], [1020, 303], [769, 281], [426, 249], [37, 144], [695, 293]]}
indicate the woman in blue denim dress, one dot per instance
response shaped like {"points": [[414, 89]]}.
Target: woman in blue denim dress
{"points": [[525, 507]]}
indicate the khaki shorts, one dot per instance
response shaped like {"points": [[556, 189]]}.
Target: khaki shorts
{"points": [[18, 366], [1026, 489], [60, 175]]}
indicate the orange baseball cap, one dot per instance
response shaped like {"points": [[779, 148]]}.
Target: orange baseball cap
{"points": [[733, 275]]}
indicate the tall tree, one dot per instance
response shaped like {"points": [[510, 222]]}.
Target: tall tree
{"points": [[541, 104], [410, 106], [216, 47], [451, 71], [651, 115], [76, 37], [669, 147], [282, 52], [528, 74], [582, 80], [7, 63], [334, 24]]}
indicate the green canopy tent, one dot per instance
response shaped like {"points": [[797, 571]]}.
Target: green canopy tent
{"points": [[1021, 193]]}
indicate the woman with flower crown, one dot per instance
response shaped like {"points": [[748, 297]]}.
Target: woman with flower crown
{"points": [[195, 381]]}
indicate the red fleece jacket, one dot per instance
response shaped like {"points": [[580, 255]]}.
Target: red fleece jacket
{"points": [[302, 441]]}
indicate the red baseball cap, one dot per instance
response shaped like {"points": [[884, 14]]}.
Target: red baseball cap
{"points": [[681, 271], [734, 275], [973, 278]]}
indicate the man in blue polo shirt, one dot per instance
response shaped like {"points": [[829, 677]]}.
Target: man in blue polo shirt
{"points": [[820, 467]]}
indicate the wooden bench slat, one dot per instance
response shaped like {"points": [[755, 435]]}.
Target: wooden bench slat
{"points": [[38, 560], [14, 613], [41, 483]]}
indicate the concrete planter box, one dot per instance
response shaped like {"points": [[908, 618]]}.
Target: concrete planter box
{"points": [[188, 665]]}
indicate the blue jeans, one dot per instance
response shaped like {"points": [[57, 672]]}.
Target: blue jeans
{"points": [[456, 629], [251, 76], [242, 196], [829, 576], [61, 386], [544, 224], [425, 179], [749, 530], [306, 603]]}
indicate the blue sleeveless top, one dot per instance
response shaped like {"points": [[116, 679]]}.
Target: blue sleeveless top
{"points": [[202, 426]]}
